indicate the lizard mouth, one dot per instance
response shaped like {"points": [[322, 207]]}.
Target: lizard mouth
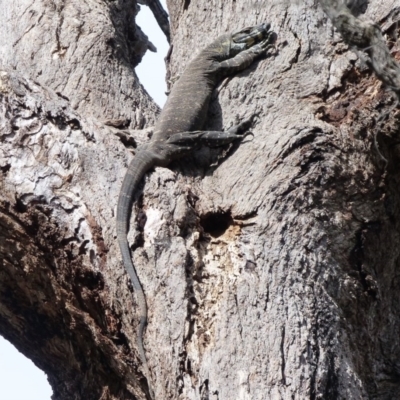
{"points": [[252, 34]]}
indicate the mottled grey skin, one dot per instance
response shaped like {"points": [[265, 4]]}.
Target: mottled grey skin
{"points": [[176, 132]]}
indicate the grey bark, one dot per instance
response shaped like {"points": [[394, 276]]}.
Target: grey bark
{"points": [[271, 274]]}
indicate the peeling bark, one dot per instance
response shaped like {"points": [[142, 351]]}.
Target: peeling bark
{"points": [[270, 271]]}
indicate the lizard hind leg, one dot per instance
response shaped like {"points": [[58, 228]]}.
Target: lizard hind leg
{"points": [[220, 138], [189, 141]]}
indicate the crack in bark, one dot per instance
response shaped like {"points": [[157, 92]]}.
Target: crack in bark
{"points": [[357, 258], [282, 350]]}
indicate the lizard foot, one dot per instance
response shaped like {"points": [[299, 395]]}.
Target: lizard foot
{"points": [[264, 46]]}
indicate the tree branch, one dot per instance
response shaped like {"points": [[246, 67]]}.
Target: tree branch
{"points": [[365, 37]]}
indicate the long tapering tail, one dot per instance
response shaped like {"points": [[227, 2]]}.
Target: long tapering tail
{"points": [[142, 162]]}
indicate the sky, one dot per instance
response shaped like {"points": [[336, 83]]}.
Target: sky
{"points": [[151, 71], [15, 368]]}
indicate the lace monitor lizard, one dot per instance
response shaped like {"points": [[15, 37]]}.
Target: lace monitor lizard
{"points": [[176, 133]]}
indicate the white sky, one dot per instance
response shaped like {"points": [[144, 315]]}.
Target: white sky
{"points": [[20, 379], [151, 71]]}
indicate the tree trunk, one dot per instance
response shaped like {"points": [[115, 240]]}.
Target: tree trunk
{"points": [[269, 269]]}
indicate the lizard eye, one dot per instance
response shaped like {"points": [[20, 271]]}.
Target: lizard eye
{"points": [[242, 35]]}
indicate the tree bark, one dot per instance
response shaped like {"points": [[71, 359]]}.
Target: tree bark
{"points": [[270, 269]]}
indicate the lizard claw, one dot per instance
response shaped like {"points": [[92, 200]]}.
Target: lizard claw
{"points": [[247, 133], [267, 44]]}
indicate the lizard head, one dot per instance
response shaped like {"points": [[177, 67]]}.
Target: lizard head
{"points": [[229, 45], [247, 37]]}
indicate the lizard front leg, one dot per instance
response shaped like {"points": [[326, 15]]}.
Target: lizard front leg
{"points": [[245, 58]]}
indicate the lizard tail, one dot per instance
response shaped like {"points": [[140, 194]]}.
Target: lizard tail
{"points": [[136, 170]]}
